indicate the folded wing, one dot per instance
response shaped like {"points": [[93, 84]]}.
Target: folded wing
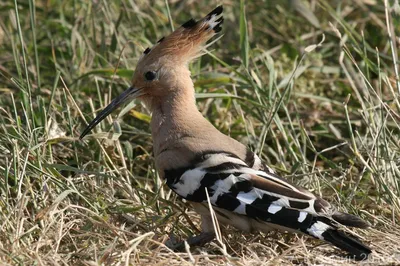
{"points": [[246, 187]]}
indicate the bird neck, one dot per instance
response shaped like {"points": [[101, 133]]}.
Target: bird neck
{"points": [[174, 117], [180, 132]]}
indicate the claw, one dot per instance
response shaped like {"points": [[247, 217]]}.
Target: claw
{"points": [[199, 240]]}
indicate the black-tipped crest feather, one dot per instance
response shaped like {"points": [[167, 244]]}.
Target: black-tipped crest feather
{"points": [[218, 10], [147, 50], [189, 24], [161, 39]]}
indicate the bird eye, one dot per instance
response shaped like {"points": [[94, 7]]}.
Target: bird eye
{"points": [[150, 75]]}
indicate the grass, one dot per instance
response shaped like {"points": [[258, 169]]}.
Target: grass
{"points": [[326, 117]]}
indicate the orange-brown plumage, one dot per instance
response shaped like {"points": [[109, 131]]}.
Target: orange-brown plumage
{"points": [[200, 163]]}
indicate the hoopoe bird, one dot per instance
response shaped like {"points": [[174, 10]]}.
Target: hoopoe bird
{"points": [[201, 164]]}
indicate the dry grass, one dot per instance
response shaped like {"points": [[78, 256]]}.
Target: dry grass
{"points": [[332, 126]]}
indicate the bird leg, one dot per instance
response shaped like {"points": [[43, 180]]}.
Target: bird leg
{"points": [[201, 239], [206, 236]]}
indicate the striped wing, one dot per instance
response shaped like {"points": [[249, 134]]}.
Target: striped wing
{"points": [[246, 187]]}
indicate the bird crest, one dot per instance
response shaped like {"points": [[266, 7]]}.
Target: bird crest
{"points": [[187, 41]]}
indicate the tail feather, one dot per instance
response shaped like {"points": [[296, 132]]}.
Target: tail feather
{"points": [[349, 220], [320, 227], [347, 243]]}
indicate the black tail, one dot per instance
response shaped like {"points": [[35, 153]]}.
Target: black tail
{"points": [[349, 220], [347, 243], [320, 227], [269, 209]]}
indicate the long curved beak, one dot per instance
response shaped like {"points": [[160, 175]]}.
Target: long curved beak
{"points": [[129, 94]]}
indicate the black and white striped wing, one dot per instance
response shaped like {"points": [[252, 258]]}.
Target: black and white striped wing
{"points": [[249, 188]]}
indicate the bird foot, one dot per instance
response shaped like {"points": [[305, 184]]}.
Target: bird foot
{"points": [[199, 240]]}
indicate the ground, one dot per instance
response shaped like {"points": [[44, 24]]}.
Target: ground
{"points": [[311, 86]]}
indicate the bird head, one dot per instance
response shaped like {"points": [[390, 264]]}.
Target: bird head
{"points": [[162, 70]]}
